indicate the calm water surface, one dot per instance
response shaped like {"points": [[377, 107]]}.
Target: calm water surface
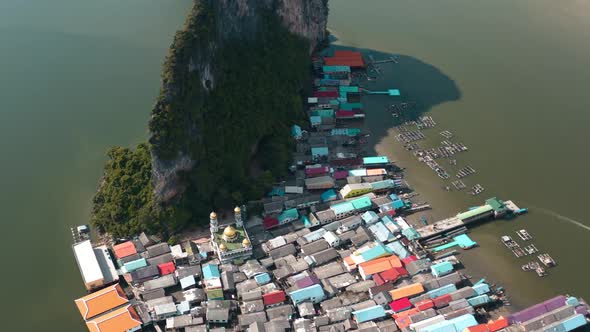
{"points": [[511, 81], [76, 77]]}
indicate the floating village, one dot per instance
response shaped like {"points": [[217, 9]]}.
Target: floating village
{"points": [[333, 249]]}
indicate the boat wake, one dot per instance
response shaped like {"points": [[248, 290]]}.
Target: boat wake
{"points": [[564, 218]]}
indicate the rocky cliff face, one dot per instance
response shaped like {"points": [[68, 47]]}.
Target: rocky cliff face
{"points": [[233, 20]]}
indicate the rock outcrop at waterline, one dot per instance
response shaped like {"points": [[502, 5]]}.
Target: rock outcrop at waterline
{"points": [[192, 72]]}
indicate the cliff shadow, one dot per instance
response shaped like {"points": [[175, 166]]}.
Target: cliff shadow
{"points": [[422, 87]]}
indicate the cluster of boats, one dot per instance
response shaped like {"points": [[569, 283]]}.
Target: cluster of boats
{"points": [[425, 122], [410, 136], [465, 171], [477, 189], [446, 134], [530, 249], [459, 185], [428, 160]]}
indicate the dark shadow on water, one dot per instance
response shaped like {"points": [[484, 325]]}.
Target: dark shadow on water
{"points": [[421, 84]]}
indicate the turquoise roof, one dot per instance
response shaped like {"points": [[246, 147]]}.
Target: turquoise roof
{"points": [[262, 279], [463, 322], [336, 69], [375, 160], [441, 269], [394, 92], [315, 120], [296, 131], [375, 252], [399, 249], [312, 292], [277, 191], [345, 132], [342, 208], [379, 185], [136, 264], [398, 204], [328, 195], [370, 216], [357, 172], [464, 241], [350, 106], [481, 288], [305, 221], [290, 214], [324, 113], [361, 203], [320, 151], [368, 314], [210, 271], [411, 233], [441, 291]]}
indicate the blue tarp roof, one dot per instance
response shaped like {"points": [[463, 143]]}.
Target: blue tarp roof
{"points": [[210, 271], [296, 131], [303, 294]]}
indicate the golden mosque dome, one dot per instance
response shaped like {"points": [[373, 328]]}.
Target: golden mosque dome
{"points": [[246, 243], [222, 247], [229, 232], [213, 215], [237, 209]]}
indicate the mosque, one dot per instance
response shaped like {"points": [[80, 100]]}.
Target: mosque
{"points": [[230, 241]]}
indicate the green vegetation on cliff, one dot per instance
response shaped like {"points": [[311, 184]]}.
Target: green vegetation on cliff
{"points": [[237, 132]]}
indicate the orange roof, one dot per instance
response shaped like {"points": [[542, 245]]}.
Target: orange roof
{"points": [[406, 313], [406, 291], [98, 302], [349, 263], [498, 324], [124, 249], [380, 265], [119, 320], [376, 171]]}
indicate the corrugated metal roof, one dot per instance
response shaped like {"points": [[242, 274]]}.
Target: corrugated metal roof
{"points": [[361, 203], [472, 213], [136, 264], [368, 314], [375, 160], [87, 262], [342, 208]]}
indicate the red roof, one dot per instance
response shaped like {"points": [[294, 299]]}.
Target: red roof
{"points": [[270, 222], [345, 114], [478, 328], [424, 305], [442, 300], [400, 305], [393, 274], [124, 249], [409, 259], [274, 298], [498, 324], [355, 61], [326, 94], [312, 171], [166, 268], [378, 280], [402, 272]]}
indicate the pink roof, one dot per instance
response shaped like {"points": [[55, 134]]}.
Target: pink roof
{"points": [[311, 171], [401, 304], [340, 175]]}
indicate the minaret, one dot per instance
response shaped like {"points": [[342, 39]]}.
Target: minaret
{"points": [[213, 225], [238, 216]]}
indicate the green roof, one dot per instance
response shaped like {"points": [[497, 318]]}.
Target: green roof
{"points": [[474, 212], [215, 294], [234, 245], [496, 204]]}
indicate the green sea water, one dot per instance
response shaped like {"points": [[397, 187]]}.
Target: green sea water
{"points": [[76, 77], [510, 79]]}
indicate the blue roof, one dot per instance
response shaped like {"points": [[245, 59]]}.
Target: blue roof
{"points": [[381, 232], [328, 195], [296, 131], [303, 294], [368, 314], [441, 269], [394, 197], [478, 300], [320, 151], [398, 204], [375, 252], [394, 92], [262, 279], [306, 221], [481, 288], [210, 271], [375, 160], [441, 291], [463, 322], [342, 208]]}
